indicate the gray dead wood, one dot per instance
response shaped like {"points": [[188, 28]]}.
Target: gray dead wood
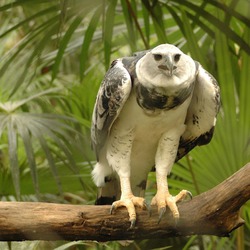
{"points": [[215, 212]]}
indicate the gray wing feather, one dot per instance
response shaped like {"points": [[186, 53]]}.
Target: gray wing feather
{"points": [[112, 95], [202, 112]]}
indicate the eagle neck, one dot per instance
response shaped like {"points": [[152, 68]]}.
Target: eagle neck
{"points": [[156, 98]]}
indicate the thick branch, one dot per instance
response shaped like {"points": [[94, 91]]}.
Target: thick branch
{"points": [[215, 212]]}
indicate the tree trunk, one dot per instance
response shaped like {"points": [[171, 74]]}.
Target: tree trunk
{"points": [[215, 212]]}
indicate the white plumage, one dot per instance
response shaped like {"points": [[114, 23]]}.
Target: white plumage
{"points": [[151, 110]]}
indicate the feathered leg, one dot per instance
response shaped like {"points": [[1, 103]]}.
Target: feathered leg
{"points": [[119, 157], [165, 157]]}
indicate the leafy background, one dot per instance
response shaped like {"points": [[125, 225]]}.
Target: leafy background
{"points": [[53, 57]]}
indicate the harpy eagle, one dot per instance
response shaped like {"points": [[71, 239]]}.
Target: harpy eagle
{"points": [[151, 110]]}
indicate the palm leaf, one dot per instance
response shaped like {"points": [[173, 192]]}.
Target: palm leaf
{"points": [[12, 106], [157, 17], [25, 135], [108, 31], [130, 15], [63, 44], [12, 143], [88, 36], [27, 20], [217, 23], [42, 127], [192, 42]]}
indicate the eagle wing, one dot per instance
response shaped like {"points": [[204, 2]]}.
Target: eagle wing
{"points": [[112, 95], [202, 112]]}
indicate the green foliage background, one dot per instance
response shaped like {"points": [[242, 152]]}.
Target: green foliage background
{"points": [[53, 55]]}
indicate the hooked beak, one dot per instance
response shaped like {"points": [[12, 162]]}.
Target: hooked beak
{"points": [[168, 65]]}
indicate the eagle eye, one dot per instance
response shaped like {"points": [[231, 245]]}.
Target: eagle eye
{"points": [[177, 57], [157, 57]]}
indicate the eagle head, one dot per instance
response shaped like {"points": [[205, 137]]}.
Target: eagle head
{"points": [[165, 66], [166, 57]]}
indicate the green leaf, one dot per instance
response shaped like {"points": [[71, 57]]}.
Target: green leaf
{"points": [[27, 20], [12, 106], [3, 123], [146, 24], [63, 45], [14, 4], [88, 39], [26, 138], [34, 56], [128, 12], [231, 10], [24, 43], [225, 75], [157, 17], [244, 90], [192, 41], [217, 23], [50, 159], [108, 31], [70, 245], [12, 143]]}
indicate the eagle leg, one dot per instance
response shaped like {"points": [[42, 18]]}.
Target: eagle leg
{"points": [[164, 160], [129, 201]]}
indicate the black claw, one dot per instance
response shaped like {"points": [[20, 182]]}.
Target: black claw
{"points": [[132, 224], [112, 209], [190, 195], [161, 213], [146, 205], [149, 211], [176, 220]]}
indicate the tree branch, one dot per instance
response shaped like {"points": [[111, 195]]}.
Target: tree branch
{"points": [[215, 212]]}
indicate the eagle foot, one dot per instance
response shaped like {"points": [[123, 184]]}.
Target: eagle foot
{"points": [[130, 203], [165, 199]]}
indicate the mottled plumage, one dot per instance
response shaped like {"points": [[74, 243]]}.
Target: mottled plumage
{"points": [[151, 110]]}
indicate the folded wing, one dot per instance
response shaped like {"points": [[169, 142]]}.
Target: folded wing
{"points": [[112, 95], [202, 112]]}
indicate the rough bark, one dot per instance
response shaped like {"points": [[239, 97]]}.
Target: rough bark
{"points": [[215, 212]]}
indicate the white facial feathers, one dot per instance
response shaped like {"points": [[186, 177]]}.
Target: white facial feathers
{"points": [[166, 66]]}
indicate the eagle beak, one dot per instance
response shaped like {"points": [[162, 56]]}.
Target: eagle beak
{"points": [[168, 65]]}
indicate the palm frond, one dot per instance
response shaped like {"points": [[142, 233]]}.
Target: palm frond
{"points": [[27, 127]]}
